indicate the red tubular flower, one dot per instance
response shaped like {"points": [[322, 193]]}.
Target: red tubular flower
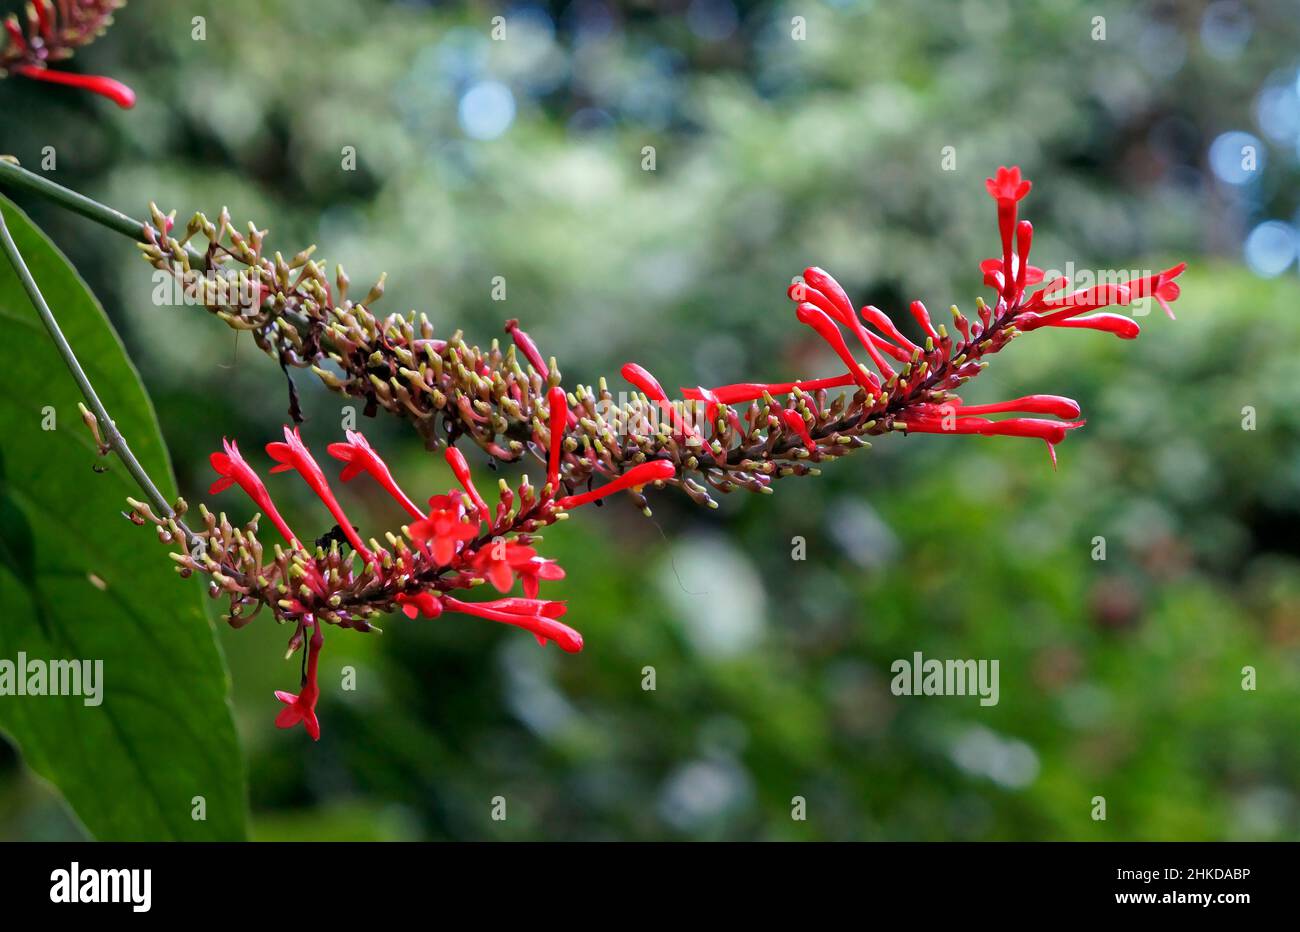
{"points": [[444, 527], [1053, 432], [823, 291], [528, 348], [421, 603], [114, 90], [635, 477], [361, 457], [302, 707], [293, 454], [885, 324], [558, 403], [752, 391], [1047, 311], [1007, 188], [923, 318], [648, 384], [1024, 239], [498, 561], [822, 281], [1029, 404], [1123, 327], [539, 620], [460, 468], [795, 422], [1161, 286], [822, 323], [535, 570], [232, 468]]}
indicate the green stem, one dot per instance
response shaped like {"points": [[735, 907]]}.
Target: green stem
{"points": [[14, 176], [112, 436]]}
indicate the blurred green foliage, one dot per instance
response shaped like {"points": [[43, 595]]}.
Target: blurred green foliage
{"points": [[1120, 678]]}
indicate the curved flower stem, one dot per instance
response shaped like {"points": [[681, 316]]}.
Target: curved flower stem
{"points": [[112, 436]]}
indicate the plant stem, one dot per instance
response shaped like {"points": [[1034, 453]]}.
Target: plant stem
{"points": [[112, 436], [15, 176]]}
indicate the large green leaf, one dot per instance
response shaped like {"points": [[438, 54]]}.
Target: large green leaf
{"points": [[77, 581]]}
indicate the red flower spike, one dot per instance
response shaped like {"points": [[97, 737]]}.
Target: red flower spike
{"points": [[114, 90], [795, 422], [558, 403], [302, 707], [444, 527], [361, 457], [528, 348], [543, 627], [232, 468], [821, 322], [460, 468], [293, 454], [535, 570], [498, 561], [653, 471]]}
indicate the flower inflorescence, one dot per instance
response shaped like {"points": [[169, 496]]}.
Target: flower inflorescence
{"points": [[719, 438]]}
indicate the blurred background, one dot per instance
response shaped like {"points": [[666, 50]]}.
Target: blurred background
{"points": [[784, 134]]}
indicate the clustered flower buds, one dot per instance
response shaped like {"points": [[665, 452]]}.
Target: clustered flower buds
{"points": [[705, 440], [50, 31]]}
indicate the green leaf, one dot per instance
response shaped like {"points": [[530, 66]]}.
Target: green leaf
{"points": [[79, 582]]}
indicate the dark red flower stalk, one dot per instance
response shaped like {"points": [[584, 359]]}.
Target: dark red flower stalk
{"points": [[232, 468], [52, 33], [302, 707], [293, 454], [635, 477]]}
